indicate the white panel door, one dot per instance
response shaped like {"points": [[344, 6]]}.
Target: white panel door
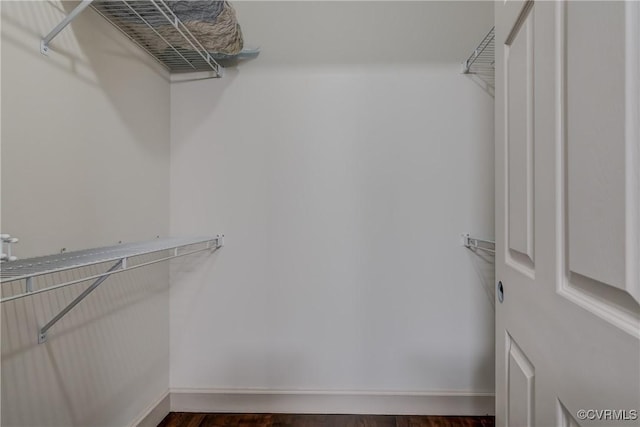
{"points": [[567, 213]]}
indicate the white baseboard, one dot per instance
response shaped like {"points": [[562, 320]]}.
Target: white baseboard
{"points": [[330, 402], [155, 413]]}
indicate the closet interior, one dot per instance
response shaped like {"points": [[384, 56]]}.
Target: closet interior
{"points": [[348, 161]]}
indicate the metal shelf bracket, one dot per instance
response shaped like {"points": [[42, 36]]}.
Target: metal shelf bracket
{"points": [[44, 43], [42, 335]]}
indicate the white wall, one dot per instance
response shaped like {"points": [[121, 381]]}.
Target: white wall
{"points": [[85, 163], [342, 165]]}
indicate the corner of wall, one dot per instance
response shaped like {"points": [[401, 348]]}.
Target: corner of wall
{"points": [[155, 413]]}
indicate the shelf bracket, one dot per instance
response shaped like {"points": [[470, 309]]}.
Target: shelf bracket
{"points": [[44, 43], [42, 335]]}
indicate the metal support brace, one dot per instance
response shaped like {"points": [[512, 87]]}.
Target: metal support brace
{"points": [[42, 335], [44, 43]]}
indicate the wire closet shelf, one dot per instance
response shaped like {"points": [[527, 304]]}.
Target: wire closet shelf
{"points": [[476, 244], [120, 258], [482, 61], [152, 25], [123, 255]]}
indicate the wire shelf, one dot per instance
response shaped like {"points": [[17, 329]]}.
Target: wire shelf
{"points": [[475, 244], [482, 61], [118, 256], [153, 26], [30, 268]]}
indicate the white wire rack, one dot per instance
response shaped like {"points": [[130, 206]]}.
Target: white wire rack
{"points": [[153, 26], [30, 268], [121, 258], [478, 244], [482, 61]]}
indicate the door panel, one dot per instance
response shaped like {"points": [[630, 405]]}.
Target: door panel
{"points": [[565, 419], [520, 377], [595, 153], [599, 209], [567, 212], [519, 100]]}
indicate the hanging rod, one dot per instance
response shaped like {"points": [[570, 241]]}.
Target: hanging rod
{"points": [[478, 244]]}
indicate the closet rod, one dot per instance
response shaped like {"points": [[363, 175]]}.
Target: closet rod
{"points": [[474, 244], [44, 43]]}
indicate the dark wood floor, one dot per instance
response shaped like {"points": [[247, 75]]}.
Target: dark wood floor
{"points": [[184, 419]]}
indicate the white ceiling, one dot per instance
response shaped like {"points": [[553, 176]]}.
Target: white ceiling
{"points": [[364, 32]]}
